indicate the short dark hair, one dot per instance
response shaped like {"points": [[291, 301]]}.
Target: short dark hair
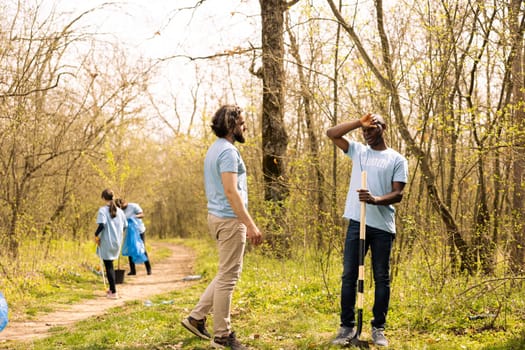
{"points": [[225, 119], [381, 120]]}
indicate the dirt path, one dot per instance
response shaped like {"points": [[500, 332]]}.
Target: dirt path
{"points": [[167, 276]]}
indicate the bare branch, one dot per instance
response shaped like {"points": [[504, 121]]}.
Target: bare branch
{"points": [[227, 53], [27, 93], [350, 30]]}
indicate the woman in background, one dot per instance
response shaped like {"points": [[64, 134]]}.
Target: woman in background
{"points": [[111, 222], [134, 211]]}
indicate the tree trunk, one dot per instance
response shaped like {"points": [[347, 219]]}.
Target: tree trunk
{"points": [[314, 156], [274, 136], [518, 99]]}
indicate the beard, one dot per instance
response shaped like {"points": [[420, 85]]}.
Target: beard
{"points": [[238, 135]]}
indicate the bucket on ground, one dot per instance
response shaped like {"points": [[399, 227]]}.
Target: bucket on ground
{"points": [[119, 276]]}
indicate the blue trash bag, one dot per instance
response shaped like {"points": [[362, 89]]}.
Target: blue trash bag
{"points": [[3, 312], [133, 245]]}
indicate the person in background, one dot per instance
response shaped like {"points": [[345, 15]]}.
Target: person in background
{"points": [[229, 224], [387, 174], [111, 222], [133, 210]]}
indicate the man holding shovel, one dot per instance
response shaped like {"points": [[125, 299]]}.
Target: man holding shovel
{"points": [[387, 174]]}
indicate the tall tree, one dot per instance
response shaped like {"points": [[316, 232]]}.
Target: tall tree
{"points": [[274, 136], [518, 110]]}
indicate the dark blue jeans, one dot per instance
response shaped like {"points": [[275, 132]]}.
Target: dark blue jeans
{"points": [[380, 244]]}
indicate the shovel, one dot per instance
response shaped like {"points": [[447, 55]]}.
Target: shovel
{"points": [[361, 276], [102, 268]]}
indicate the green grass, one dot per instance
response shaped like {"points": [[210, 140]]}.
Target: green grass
{"points": [[64, 274], [290, 305]]}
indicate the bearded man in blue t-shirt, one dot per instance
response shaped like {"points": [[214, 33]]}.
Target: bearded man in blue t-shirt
{"points": [[229, 224], [387, 174]]}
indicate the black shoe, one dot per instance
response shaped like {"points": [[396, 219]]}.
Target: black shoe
{"points": [[197, 327], [131, 273], [229, 341]]}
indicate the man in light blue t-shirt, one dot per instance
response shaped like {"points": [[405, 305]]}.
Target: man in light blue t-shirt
{"points": [[229, 223], [387, 174]]}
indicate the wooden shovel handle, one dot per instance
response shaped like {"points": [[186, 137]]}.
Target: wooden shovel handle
{"points": [[362, 221]]}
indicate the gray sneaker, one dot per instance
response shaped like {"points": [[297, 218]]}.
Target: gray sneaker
{"points": [[344, 335], [378, 336]]}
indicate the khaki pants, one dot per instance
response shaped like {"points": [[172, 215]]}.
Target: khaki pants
{"points": [[230, 234]]}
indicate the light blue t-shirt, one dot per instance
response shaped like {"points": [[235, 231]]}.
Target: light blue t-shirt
{"points": [[383, 168], [111, 236], [133, 209], [223, 156]]}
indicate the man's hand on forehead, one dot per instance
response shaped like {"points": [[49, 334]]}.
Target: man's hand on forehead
{"points": [[372, 121]]}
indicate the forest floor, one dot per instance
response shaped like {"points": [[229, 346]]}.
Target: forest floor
{"points": [[167, 275]]}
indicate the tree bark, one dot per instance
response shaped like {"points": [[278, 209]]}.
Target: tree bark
{"points": [[274, 136], [518, 100]]}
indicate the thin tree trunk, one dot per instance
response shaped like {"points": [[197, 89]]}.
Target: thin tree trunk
{"points": [[313, 142], [335, 119]]}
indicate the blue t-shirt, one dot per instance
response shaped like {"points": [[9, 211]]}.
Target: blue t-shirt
{"points": [[133, 209], [111, 236], [223, 156], [383, 168]]}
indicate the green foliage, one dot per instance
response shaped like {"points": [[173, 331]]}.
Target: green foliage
{"points": [[177, 204], [288, 304], [64, 273], [113, 173]]}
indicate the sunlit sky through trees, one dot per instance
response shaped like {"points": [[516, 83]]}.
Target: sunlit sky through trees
{"points": [[170, 30], [176, 36]]}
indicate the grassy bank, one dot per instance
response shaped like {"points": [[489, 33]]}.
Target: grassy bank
{"points": [[293, 304]]}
